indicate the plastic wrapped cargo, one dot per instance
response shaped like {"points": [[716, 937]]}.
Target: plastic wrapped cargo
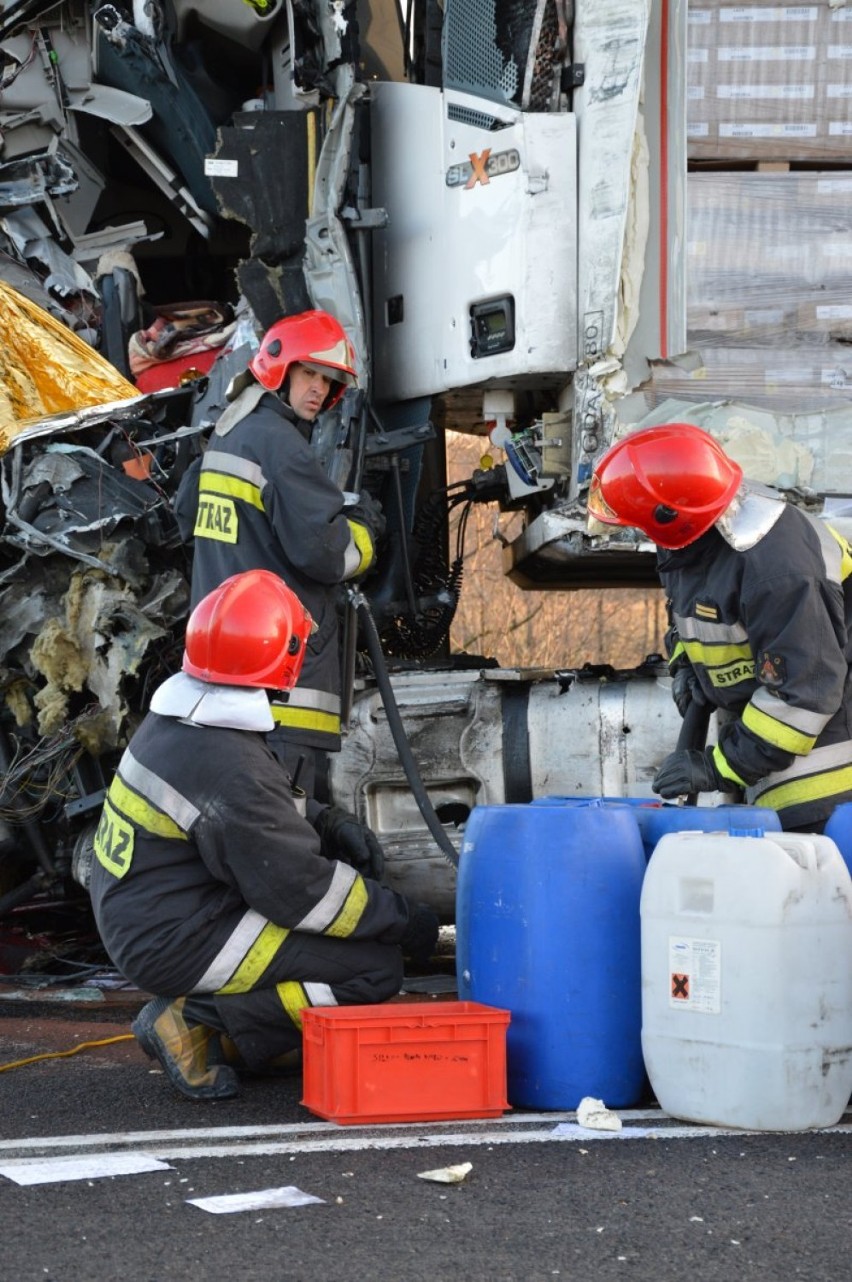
{"points": [[769, 82], [770, 260]]}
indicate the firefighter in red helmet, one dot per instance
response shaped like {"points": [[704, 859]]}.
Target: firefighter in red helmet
{"points": [[209, 887], [760, 606], [260, 499]]}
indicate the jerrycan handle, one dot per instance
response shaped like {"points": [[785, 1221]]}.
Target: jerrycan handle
{"points": [[801, 848]]}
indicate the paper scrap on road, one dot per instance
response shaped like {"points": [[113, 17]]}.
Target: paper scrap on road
{"points": [[595, 1116], [51, 1170], [259, 1201], [571, 1131], [448, 1174]]}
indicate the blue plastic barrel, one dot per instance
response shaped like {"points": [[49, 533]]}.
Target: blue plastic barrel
{"points": [[547, 927], [655, 821], [656, 818], [839, 829], [557, 799]]}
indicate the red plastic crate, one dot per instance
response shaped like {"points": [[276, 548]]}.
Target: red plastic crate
{"points": [[411, 1062]]}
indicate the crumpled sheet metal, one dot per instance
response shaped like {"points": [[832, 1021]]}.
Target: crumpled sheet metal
{"points": [[46, 369], [93, 577]]}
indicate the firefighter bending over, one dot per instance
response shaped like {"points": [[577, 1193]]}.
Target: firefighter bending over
{"points": [[209, 888], [261, 500], [760, 603]]}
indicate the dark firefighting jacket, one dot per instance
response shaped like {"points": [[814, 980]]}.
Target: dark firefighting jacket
{"points": [[263, 501], [768, 630], [204, 865]]}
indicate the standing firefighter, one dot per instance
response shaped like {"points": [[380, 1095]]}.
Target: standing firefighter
{"points": [[760, 600], [209, 888], [263, 501]]}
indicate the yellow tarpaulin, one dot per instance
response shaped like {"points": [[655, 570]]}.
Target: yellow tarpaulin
{"points": [[46, 369]]}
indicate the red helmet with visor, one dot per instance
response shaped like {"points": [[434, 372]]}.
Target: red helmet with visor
{"points": [[251, 630], [672, 482], [312, 338]]}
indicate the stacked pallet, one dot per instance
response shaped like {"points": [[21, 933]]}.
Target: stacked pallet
{"points": [[769, 82], [769, 222]]}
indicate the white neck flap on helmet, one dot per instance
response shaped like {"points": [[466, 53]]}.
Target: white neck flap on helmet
{"points": [[204, 704]]}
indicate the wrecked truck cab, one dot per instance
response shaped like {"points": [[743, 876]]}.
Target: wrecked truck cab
{"points": [[497, 213], [94, 593]]}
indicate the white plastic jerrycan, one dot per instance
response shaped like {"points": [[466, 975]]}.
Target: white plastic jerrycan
{"points": [[747, 979]]}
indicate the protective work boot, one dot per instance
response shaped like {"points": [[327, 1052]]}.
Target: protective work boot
{"points": [[182, 1045], [286, 1065]]}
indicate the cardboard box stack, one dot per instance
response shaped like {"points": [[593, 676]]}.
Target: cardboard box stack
{"points": [[769, 222], [769, 81]]}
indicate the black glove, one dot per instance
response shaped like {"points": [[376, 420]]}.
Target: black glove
{"points": [[421, 934], [685, 685], [690, 771], [342, 836], [368, 512]]}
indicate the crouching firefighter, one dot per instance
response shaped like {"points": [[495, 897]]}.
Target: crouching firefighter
{"points": [[760, 602], [209, 887]]}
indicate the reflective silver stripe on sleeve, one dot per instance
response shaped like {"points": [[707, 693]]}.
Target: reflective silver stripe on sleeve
{"points": [[351, 559], [324, 913], [157, 791], [690, 629], [316, 700], [320, 995], [232, 953], [810, 723], [819, 761], [832, 554], [231, 465]]}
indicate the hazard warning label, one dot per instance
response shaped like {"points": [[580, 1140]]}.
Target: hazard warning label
{"points": [[695, 974]]}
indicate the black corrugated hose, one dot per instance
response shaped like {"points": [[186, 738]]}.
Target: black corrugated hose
{"points": [[409, 765]]}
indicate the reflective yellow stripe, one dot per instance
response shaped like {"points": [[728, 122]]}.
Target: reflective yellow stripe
{"points": [[829, 783], [677, 652], [305, 719], [775, 732], [217, 483], [142, 813], [364, 544], [726, 770], [351, 912], [714, 656], [256, 960], [294, 1000], [845, 554]]}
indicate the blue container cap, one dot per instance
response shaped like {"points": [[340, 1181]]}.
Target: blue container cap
{"points": [[746, 832]]}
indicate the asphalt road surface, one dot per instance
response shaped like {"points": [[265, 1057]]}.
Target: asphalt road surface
{"points": [[543, 1198]]}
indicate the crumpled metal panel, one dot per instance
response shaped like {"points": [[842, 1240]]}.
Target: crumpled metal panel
{"points": [[93, 576]]}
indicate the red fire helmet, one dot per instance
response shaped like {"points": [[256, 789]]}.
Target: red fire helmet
{"points": [[250, 631], [672, 482], [311, 338]]}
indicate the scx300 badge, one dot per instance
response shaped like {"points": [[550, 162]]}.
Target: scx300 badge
{"points": [[482, 167]]}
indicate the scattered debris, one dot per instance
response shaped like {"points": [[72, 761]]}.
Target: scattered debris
{"points": [[448, 1174], [53, 1170], [595, 1116], [228, 1202]]}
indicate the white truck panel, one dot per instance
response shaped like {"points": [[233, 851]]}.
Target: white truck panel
{"points": [[475, 214]]}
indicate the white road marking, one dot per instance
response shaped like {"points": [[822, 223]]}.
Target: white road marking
{"points": [[327, 1137]]}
